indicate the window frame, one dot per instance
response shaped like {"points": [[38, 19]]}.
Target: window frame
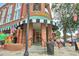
{"points": [[17, 11], [39, 7], [9, 14]]}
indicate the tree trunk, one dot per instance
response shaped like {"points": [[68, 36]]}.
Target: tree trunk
{"points": [[64, 33]]}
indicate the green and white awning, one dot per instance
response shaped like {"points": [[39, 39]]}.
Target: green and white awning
{"points": [[32, 19], [38, 19], [8, 27]]}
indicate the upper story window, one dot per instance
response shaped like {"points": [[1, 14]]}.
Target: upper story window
{"points": [[0, 17], [36, 7], [46, 10], [0, 12], [3, 16], [17, 11], [18, 6], [3, 12], [17, 15], [9, 14]]}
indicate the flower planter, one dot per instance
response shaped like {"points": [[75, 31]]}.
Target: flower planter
{"points": [[13, 47]]}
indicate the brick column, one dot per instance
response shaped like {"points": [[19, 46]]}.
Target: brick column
{"points": [[49, 32], [24, 35], [19, 35], [30, 35], [43, 35]]}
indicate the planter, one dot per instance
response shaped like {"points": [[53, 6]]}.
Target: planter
{"points": [[13, 47]]}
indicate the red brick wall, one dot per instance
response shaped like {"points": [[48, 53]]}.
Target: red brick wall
{"points": [[43, 34], [49, 32], [30, 34], [24, 11]]}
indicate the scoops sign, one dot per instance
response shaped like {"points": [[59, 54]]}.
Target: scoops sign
{"points": [[75, 17]]}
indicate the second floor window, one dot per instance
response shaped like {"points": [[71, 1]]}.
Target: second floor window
{"points": [[3, 16], [36, 7], [0, 13], [17, 14], [0, 18], [9, 14], [17, 11], [18, 6]]}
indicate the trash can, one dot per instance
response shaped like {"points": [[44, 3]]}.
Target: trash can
{"points": [[50, 48], [76, 45]]}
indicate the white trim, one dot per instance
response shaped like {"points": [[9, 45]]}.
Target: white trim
{"points": [[48, 21], [26, 21], [41, 20], [21, 22], [33, 20], [17, 24]]}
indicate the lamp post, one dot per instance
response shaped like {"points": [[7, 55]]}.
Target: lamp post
{"points": [[26, 53]]}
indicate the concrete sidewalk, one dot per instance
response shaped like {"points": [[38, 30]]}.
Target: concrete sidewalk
{"points": [[39, 51]]}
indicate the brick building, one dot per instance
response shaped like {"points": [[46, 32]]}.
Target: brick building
{"points": [[14, 15]]}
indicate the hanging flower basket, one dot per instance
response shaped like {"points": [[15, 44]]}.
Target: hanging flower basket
{"points": [[75, 17]]}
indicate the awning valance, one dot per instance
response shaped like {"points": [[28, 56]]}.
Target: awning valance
{"points": [[31, 20]]}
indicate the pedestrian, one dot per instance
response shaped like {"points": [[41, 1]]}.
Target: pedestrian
{"points": [[69, 41], [62, 42], [2, 43], [14, 38], [58, 43]]}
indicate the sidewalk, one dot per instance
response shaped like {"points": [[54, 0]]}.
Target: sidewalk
{"points": [[39, 51]]}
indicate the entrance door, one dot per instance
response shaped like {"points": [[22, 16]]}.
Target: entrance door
{"points": [[38, 37], [36, 33]]}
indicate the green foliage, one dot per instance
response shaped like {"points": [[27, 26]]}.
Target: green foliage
{"points": [[58, 34], [68, 22]]}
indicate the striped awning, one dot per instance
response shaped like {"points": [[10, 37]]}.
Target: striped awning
{"points": [[37, 21], [46, 21]]}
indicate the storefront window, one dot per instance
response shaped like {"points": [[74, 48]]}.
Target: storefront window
{"points": [[37, 7]]}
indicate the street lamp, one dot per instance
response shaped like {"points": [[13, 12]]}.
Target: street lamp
{"points": [[26, 48]]}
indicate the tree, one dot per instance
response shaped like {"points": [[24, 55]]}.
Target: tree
{"points": [[66, 12], [58, 34]]}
